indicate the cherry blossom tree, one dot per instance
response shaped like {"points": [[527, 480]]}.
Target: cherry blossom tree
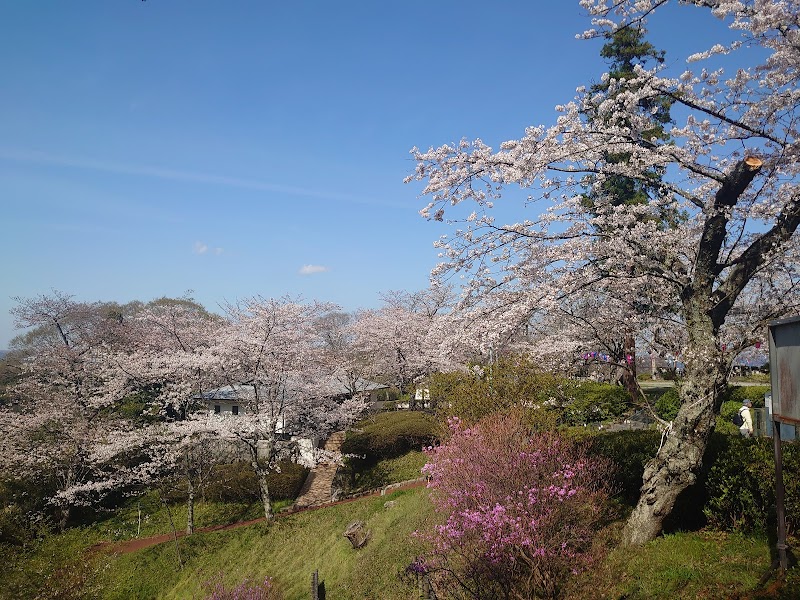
{"points": [[167, 354], [270, 356], [350, 365], [63, 429], [167, 359], [711, 279], [592, 334], [406, 336]]}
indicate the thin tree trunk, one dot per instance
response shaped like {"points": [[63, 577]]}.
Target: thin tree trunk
{"points": [[65, 511], [174, 534], [63, 518], [190, 508], [264, 489], [629, 360], [266, 453]]}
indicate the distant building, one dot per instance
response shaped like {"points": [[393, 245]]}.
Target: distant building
{"points": [[235, 400]]}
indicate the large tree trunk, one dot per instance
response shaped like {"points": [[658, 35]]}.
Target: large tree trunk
{"points": [[680, 457]]}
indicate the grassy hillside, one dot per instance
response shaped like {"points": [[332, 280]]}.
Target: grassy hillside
{"points": [[289, 550], [704, 564], [709, 563]]}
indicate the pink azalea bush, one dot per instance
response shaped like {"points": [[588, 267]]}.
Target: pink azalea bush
{"points": [[519, 510], [246, 590]]}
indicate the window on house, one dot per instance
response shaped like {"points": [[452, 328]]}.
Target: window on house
{"points": [[217, 409], [235, 410]]}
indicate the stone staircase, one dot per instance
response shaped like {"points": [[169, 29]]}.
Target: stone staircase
{"points": [[317, 487]]}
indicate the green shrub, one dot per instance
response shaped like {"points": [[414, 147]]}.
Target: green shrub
{"points": [[236, 482], [668, 404], [24, 509], [735, 489], [629, 452], [591, 401], [740, 483], [725, 420], [382, 473], [286, 484], [754, 393], [512, 382], [17, 528], [381, 438]]}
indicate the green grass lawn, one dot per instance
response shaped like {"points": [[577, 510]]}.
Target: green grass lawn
{"points": [[704, 564]]}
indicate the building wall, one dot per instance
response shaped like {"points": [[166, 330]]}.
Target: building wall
{"points": [[225, 406]]}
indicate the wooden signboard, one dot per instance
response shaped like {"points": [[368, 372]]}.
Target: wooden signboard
{"points": [[784, 366]]}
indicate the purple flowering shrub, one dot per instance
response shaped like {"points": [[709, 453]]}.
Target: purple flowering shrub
{"points": [[519, 510], [246, 590]]}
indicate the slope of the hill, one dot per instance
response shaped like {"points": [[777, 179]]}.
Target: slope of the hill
{"points": [[289, 550]]}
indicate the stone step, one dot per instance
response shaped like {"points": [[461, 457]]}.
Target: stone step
{"points": [[317, 487]]}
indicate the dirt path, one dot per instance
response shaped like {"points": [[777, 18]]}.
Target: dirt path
{"points": [[137, 544]]}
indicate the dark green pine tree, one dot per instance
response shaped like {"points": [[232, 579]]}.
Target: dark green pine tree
{"points": [[625, 49]]}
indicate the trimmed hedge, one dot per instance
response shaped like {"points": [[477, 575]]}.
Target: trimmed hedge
{"points": [[391, 434], [754, 393], [383, 437], [668, 403], [629, 452]]}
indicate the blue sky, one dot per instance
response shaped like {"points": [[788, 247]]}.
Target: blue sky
{"points": [[254, 147]]}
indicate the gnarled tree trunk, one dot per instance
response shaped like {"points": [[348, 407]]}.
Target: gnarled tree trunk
{"points": [[706, 300], [680, 457]]}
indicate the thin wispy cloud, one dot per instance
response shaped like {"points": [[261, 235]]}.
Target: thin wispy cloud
{"points": [[201, 248], [91, 164], [312, 269]]}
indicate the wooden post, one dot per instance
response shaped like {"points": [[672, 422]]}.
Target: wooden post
{"points": [[780, 508], [315, 585]]}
